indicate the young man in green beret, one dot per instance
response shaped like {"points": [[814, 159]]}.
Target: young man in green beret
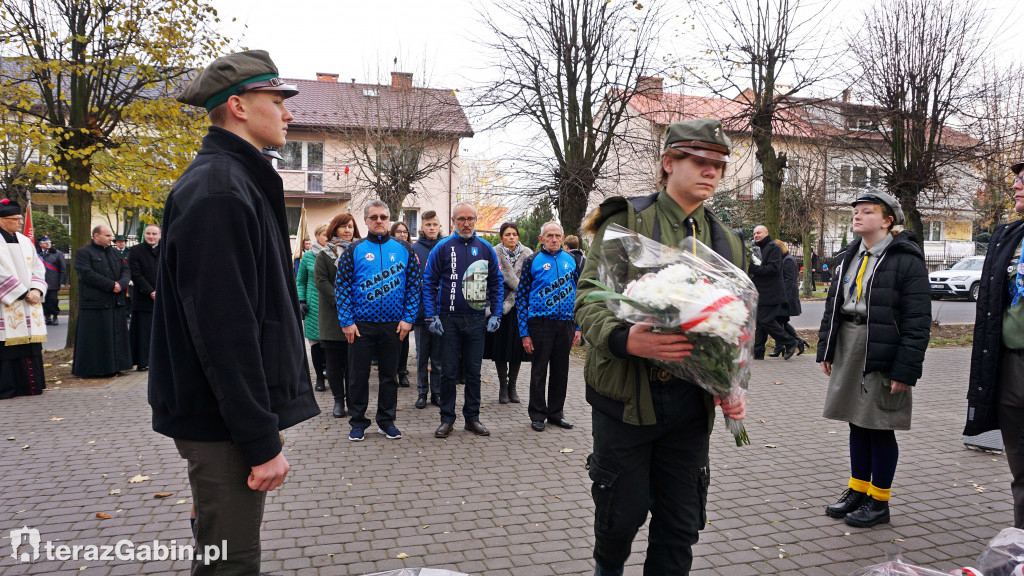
{"points": [[650, 429], [228, 366]]}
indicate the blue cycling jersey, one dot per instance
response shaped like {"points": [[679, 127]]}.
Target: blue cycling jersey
{"points": [[378, 281], [462, 278], [547, 288]]}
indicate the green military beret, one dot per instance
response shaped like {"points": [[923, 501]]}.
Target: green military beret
{"points": [[701, 137], [232, 75]]}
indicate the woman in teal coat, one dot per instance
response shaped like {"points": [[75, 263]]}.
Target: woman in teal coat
{"points": [[309, 303]]}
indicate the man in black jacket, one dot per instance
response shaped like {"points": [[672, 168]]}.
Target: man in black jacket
{"points": [[101, 340], [142, 261], [995, 398], [771, 296], [56, 276], [228, 366], [428, 345]]}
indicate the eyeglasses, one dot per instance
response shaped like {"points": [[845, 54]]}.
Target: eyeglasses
{"points": [[14, 218], [466, 220], [402, 232], [1019, 178], [380, 217]]}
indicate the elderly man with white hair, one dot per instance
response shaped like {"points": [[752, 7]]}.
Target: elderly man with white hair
{"points": [[545, 300]]}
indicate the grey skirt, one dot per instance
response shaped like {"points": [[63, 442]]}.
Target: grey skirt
{"points": [[863, 399]]}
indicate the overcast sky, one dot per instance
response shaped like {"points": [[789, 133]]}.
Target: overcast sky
{"points": [[360, 39]]}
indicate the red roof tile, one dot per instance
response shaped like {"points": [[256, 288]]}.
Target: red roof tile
{"points": [[350, 106]]}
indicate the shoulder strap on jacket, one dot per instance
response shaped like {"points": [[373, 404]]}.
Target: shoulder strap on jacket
{"points": [[641, 203]]}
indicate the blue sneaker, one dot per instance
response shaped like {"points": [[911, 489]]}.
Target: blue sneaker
{"points": [[391, 432], [356, 435]]}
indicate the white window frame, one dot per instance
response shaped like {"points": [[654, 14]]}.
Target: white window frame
{"points": [[314, 181]]}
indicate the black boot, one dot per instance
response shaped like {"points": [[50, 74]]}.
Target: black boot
{"points": [[870, 513], [777, 352], [513, 374], [403, 380], [339, 409], [421, 401], [320, 387], [502, 370], [435, 399], [801, 345], [848, 502]]}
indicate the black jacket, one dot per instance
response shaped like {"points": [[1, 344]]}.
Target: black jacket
{"points": [[767, 276], [899, 315], [227, 357], [986, 354], [56, 268], [422, 248], [142, 261], [98, 269], [791, 279]]}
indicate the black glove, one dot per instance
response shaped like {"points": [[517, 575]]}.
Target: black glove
{"points": [[303, 308]]}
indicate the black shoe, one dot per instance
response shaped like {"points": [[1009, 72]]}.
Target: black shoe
{"points": [[789, 353], [55, 321], [435, 399], [403, 380], [477, 428], [848, 502], [562, 423], [801, 345], [444, 430], [513, 396], [537, 425], [142, 369], [421, 401], [777, 352], [320, 384], [759, 356], [339, 409], [870, 513]]}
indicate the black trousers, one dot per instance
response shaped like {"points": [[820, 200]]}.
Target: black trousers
{"points": [[226, 508], [316, 353], [336, 367], [1011, 422], [768, 325], [428, 353], [552, 340], [403, 356], [663, 468], [50, 303], [378, 339]]}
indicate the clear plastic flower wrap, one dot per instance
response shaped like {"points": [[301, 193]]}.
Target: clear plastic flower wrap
{"points": [[897, 568], [688, 289], [1004, 555]]}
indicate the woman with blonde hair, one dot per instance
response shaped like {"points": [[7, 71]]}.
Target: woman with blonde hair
{"points": [[872, 342], [308, 302]]}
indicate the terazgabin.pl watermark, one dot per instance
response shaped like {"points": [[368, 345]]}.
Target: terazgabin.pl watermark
{"points": [[28, 546]]}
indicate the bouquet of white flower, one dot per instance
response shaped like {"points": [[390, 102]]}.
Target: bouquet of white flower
{"points": [[692, 290]]}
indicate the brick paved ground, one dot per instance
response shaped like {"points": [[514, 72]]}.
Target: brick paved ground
{"points": [[515, 503]]}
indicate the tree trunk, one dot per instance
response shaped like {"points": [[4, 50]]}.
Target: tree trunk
{"points": [[80, 206], [771, 178], [908, 201], [808, 286]]}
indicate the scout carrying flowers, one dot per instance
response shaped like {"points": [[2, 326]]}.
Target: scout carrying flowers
{"points": [[689, 289]]}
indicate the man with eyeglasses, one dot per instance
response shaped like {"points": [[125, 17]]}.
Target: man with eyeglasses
{"points": [[463, 280], [102, 347], [995, 397], [378, 296], [22, 288]]}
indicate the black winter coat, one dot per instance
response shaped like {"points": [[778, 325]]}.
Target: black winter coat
{"points": [[767, 276], [227, 358], [98, 269], [791, 278], [56, 268], [142, 261], [422, 248], [986, 354], [899, 315]]}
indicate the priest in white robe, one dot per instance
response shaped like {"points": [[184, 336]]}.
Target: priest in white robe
{"points": [[22, 325]]}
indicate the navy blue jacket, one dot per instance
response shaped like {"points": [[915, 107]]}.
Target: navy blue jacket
{"points": [[422, 248], [378, 281], [462, 278], [547, 288]]}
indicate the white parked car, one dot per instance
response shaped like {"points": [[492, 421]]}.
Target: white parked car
{"points": [[963, 279]]}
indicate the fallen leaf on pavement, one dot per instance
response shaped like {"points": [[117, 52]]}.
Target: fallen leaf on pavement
{"points": [[777, 382], [103, 516], [55, 419], [25, 447], [115, 491], [770, 446], [565, 450], [137, 479], [182, 501], [163, 495], [402, 556]]}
